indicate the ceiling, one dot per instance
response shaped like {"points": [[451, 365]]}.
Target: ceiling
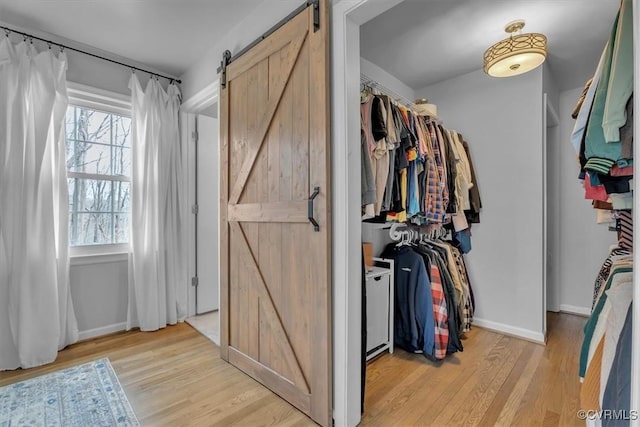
{"points": [[167, 35], [422, 42], [418, 41]]}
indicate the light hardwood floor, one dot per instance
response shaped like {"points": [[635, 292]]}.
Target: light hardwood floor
{"points": [[174, 377], [497, 380]]}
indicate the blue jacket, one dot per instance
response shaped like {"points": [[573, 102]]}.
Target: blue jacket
{"points": [[414, 325]]}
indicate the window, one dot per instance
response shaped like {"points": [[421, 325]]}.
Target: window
{"points": [[98, 154]]}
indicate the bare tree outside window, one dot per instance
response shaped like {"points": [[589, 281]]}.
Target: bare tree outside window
{"points": [[98, 153]]}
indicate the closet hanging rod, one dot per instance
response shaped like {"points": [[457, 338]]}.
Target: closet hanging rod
{"points": [[8, 31], [368, 81]]}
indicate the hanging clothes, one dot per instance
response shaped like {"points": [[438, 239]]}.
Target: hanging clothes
{"points": [[603, 139], [603, 132], [620, 273], [604, 358], [433, 304], [620, 84], [367, 145], [380, 154], [422, 172], [475, 204], [367, 181], [413, 317]]}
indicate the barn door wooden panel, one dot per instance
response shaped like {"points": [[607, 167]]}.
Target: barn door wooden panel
{"points": [[275, 265]]}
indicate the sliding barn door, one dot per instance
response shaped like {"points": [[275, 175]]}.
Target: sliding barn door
{"points": [[275, 265]]}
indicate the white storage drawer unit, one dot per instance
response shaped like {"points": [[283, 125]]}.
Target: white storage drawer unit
{"points": [[379, 288]]}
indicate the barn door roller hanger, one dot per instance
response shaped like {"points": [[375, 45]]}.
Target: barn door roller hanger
{"points": [[227, 58]]}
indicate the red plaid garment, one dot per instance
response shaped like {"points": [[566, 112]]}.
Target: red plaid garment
{"points": [[439, 314]]}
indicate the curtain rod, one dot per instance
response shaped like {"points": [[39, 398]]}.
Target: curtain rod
{"points": [[62, 47]]}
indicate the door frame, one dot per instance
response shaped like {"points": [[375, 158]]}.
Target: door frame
{"points": [[347, 16], [189, 110], [635, 355], [551, 212], [545, 204]]}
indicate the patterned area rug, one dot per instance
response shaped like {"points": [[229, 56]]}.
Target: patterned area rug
{"points": [[83, 395]]}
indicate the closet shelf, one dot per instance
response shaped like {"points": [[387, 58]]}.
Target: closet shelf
{"points": [[377, 225]]}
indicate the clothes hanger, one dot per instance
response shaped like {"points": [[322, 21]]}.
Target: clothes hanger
{"points": [[364, 93]]}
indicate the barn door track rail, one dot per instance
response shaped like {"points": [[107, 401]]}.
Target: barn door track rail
{"points": [[228, 58]]}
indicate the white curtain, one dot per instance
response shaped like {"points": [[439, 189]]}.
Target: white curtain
{"points": [[36, 312], [157, 261]]}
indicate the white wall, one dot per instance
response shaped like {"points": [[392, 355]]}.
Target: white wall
{"points": [[101, 74], [502, 121], [104, 75], [553, 262], [389, 81], [100, 296], [583, 243], [85, 69]]}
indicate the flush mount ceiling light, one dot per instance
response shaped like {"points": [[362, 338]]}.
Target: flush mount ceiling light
{"points": [[516, 54]]}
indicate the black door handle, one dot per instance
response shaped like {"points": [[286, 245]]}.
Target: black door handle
{"points": [[312, 220]]}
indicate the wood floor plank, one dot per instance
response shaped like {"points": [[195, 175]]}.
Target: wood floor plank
{"points": [[175, 377], [483, 397], [559, 364], [434, 386], [497, 380], [509, 404], [476, 385]]}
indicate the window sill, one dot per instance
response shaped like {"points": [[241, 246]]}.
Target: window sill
{"points": [[100, 254]]}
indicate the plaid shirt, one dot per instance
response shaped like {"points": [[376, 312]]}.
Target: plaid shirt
{"points": [[434, 207], [437, 140], [434, 210], [440, 315]]}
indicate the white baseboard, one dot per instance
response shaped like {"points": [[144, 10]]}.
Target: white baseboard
{"points": [[526, 334], [104, 330], [572, 309]]}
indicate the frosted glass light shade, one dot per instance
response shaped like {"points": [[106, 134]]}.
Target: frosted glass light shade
{"points": [[515, 55]]}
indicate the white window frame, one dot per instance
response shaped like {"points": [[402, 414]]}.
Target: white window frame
{"points": [[110, 102]]}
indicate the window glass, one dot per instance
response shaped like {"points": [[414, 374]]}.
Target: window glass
{"points": [[98, 155]]}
